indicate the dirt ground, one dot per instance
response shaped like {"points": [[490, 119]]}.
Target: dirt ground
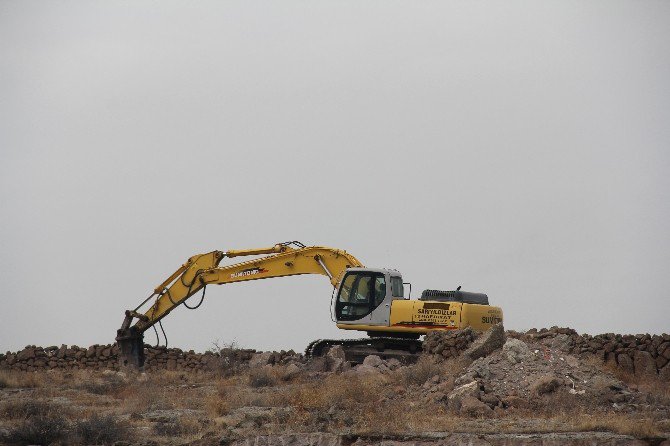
{"points": [[508, 396]]}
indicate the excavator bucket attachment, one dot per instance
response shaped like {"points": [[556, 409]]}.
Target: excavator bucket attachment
{"points": [[131, 344], [131, 349]]}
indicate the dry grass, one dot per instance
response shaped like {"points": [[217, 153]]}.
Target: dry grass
{"points": [[363, 404], [159, 391], [20, 380], [42, 429], [419, 373], [639, 427], [343, 392], [186, 426], [426, 368], [559, 403], [656, 385], [23, 409], [100, 429], [331, 404], [263, 377], [375, 404]]}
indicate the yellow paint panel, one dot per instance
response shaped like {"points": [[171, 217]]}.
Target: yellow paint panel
{"points": [[401, 310], [417, 316], [481, 317]]}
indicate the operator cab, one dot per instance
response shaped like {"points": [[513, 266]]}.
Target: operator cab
{"points": [[362, 290]]}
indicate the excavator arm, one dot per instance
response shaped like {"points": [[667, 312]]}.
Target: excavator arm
{"points": [[284, 259]]}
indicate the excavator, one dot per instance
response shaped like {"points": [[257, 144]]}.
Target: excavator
{"points": [[365, 299]]}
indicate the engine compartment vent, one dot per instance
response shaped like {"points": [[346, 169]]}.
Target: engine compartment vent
{"points": [[455, 296]]}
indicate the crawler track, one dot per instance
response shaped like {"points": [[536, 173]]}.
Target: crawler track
{"points": [[405, 350]]}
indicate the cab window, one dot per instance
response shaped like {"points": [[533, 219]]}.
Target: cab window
{"points": [[397, 290], [360, 293], [345, 290], [380, 290]]}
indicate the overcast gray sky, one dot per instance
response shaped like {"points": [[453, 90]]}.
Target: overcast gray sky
{"points": [[517, 148]]}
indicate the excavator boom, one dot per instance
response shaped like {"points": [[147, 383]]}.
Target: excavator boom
{"points": [[285, 259]]}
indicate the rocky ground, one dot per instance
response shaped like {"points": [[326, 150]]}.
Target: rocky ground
{"points": [[539, 387]]}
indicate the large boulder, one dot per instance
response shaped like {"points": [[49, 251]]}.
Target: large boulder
{"points": [[625, 362], [336, 359], [456, 396], [664, 350], [260, 359], [490, 341], [473, 407], [363, 369], [645, 365], [373, 361], [480, 368], [26, 354], [545, 384], [562, 342], [603, 385], [664, 373], [317, 364], [517, 351], [290, 372], [372, 364]]}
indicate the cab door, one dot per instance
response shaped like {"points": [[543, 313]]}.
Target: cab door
{"points": [[359, 294]]}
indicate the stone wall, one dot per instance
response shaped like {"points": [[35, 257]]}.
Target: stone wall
{"points": [[98, 357], [641, 354], [644, 355]]}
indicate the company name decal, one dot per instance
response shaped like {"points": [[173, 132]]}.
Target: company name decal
{"points": [[494, 317], [248, 272], [427, 311]]}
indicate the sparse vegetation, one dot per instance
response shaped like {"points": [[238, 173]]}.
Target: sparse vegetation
{"points": [[41, 429], [100, 429], [424, 369], [20, 380], [23, 409], [230, 358], [102, 386], [178, 407], [262, 377], [179, 427]]}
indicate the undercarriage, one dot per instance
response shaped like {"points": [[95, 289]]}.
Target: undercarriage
{"points": [[405, 350]]}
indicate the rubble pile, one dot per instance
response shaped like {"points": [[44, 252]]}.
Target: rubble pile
{"points": [[523, 369], [519, 373], [448, 344], [644, 355]]}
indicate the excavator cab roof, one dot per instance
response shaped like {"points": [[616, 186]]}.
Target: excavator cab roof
{"points": [[391, 272]]}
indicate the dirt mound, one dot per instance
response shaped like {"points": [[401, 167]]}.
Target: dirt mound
{"points": [[644, 355], [520, 373], [550, 370]]}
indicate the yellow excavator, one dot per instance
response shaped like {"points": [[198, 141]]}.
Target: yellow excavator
{"points": [[365, 299]]}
